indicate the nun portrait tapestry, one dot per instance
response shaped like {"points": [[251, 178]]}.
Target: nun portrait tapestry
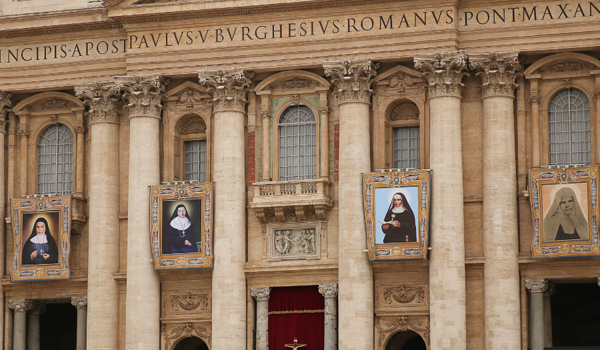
{"points": [[181, 224], [41, 237], [396, 209], [564, 210]]}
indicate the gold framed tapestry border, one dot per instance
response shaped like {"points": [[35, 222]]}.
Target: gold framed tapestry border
{"points": [[181, 226], [43, 254], [564, 209], [396, 208]]}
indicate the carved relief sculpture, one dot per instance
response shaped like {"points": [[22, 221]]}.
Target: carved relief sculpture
{"points": [[388, 326], [404, 295], [293, 243], [189, 302]]}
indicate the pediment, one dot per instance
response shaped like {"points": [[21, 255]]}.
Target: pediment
{"points": [[50, 102], [400, 78], [563, 63]]}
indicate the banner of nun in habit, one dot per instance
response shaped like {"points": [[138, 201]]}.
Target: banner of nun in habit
{"points": [[181, 223], [41, 230], [396, 208], [564, 207]]}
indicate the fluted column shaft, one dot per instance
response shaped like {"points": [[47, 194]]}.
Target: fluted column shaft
{"points": [[103, 259], [261, 295], [447, 265], [19, 307], [229, 89], [536, 312], [143, 95], [498, 71], [330, 292], [81, 304], [352, 81]]}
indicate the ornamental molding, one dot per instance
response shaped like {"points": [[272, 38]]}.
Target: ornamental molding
{"points": [[102, 99], [536, 285], [229, 88], [387, 326], [405, 111], [403, 295], [497, 71], [352, 79], [260, 293], [443, 71], [172, 333], [189, 302], [294, 241], [79, 302], [143, 94], [328, 290]]}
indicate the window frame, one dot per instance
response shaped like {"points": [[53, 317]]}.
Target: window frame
{"points": [[411, 122], [73, 155], [206, 158], [180, 140]]}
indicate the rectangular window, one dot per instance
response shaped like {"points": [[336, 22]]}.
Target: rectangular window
{"points": [[407, 148], [195, 161]]}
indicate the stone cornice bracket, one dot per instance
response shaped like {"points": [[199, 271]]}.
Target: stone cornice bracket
{"points": [[19, 305], [143, 94], [260, 293], [443, 71], [498, 72], [102, 98], [79, 302], [536, 286], [229, 88], [328, 290], [352, 79]]}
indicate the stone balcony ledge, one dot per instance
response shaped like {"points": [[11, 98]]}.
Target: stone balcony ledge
{"points": [[291, 198]]}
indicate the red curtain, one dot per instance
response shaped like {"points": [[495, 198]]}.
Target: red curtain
{"points": [[296, 312]]}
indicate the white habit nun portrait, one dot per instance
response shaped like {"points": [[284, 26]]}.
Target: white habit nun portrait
{"points": [[180, 237]]}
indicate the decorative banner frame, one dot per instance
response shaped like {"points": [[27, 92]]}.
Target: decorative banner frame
{"points": [[566, 196], [170, 248], [30, 262], [379, 192]]}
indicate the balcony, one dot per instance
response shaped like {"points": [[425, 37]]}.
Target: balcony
{"points": [[291, 200]]}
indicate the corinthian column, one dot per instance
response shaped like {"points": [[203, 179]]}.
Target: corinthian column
{"points": [[352, 84], [536, 312], [19, 307], [261, 295], [5, 103], [498, 71], [103, 259], [330, 293], [444, 73], [229, 89], [143, 94]]}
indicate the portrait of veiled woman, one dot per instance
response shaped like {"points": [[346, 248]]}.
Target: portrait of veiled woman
{"points": [[565, 220]]}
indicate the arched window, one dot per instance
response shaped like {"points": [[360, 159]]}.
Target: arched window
{"points": [[569, 128], [406, 136], [55, 161], [297, 144]]}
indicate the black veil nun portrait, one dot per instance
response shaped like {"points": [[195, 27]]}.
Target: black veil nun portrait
{"points": [[565, 219], [40, 247], [399, 221], [180, 237]]}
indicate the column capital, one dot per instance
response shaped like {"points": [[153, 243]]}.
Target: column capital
{"points": [[5, 100], [260, 293], [229, 87], [323, 111], [328, 290], [19, 305], [36, 306], [498, 72], [443, 71], [536, 285], [143, 94], [79, 302], [352, 78], [265, 114], [102, 98]]}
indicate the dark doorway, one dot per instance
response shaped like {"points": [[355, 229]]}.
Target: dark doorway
{"points": [[192, 343], [576, 315], [407, 340], [58, 327]]}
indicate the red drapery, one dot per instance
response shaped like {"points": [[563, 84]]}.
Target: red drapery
{"points": [[296, 312]]}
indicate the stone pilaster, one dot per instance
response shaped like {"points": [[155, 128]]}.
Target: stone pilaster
{"points": [[536, 288], [266, 147], [5, 104], [352, 86], [330, 293], [19, 307], [81, 304], [261, 294], [102, 99], [498, 71], [33, 324], [143, 95], [444, 73], [229, 89]]}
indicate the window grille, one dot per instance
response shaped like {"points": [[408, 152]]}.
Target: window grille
{"points": [[297, 144], [55, 161], [569, 128], [195, 161], [407, 148]]}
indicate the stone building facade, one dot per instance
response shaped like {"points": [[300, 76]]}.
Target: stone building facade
{"points": [[466, 88]]}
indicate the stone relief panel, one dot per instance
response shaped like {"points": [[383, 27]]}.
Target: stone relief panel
{"points": [[189, 302], [401, 296], [386, 327], [295, 241], [173, 333], [184, 303]]}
